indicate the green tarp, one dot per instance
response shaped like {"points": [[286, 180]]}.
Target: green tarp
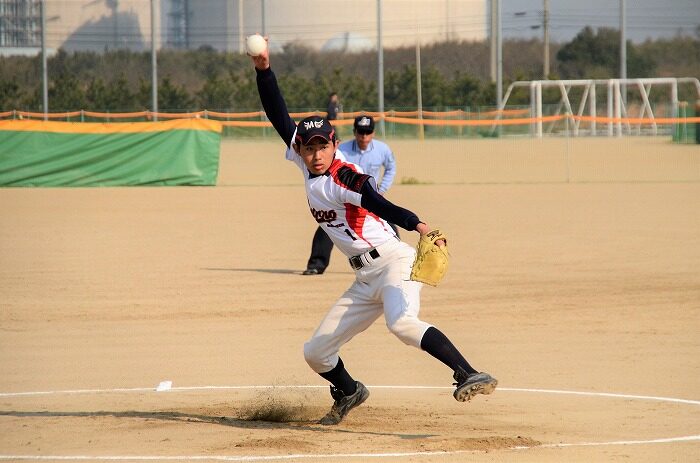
{"points": [[179, 152]]}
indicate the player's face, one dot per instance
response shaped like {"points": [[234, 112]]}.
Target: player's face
{"points": [[363, 137], [318, 155]]}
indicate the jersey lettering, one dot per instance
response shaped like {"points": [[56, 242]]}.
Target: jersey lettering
{"points": [[324, 216]]}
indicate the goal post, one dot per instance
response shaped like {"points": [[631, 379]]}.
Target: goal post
{"points": [[629, 103]]}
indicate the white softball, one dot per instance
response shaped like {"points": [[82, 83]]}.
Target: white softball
{"points": [[255, 44]]}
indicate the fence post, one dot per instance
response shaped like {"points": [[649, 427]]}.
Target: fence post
{"points": [[697, 124], [568, 151], [682, 127]]}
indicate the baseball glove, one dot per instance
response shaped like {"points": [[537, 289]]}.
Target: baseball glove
{"points": [[431, 260]]}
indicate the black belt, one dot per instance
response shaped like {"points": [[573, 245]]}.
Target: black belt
{"points": [[356, 261]]}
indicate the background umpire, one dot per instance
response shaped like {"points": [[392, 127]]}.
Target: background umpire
{"points": [[371, 155]]}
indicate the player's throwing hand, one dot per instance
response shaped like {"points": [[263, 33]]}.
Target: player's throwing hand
{"points": [[262, 61]]}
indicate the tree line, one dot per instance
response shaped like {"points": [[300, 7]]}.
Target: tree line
{"points": [[453, 75]]}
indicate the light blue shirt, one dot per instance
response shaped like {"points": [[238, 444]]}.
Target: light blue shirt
{"points": [[371, 160]]}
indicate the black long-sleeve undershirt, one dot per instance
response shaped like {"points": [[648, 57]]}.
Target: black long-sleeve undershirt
{"points": [[274, 104], [278, 114], [378, 204]]}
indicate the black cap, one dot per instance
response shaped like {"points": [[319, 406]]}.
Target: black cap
{"points": [[312, 127], [364, 123]]}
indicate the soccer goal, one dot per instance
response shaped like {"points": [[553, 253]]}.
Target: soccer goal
{"points": [[607, 107]]}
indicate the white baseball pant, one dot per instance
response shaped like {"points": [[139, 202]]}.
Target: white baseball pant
{"points": [[382, 285]]}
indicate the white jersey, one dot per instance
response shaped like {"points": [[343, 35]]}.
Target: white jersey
{"points": [[337, 208]]}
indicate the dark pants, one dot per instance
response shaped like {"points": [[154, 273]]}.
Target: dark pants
{"points": [[321, 248]]}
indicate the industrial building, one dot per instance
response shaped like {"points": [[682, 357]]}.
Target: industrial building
{"points": [[100, 25]]}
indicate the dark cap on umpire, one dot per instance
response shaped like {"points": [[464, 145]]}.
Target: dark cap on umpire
{"points": [[364, 124], [312, 127]]}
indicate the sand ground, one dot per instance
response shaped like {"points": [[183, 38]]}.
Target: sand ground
{"points": [[575, 267]]}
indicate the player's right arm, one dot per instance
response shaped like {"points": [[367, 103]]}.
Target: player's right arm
{"points": [[272, 99]]}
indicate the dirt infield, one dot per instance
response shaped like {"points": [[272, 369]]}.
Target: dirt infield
{"points": [[589, 286]]}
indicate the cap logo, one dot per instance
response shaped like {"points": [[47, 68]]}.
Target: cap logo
{"points": [[313, 124], [363, 122]]}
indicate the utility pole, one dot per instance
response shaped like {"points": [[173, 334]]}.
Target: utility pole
{"points": [[154, 63], [44, 72], [545, 20], [380, 70], [447, 20], [499, 57], [419, 92], [264, 26], [241, 37], [492, 36], [623, 50], [623, 42]]}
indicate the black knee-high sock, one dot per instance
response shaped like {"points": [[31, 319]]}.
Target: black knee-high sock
{"points": [[340, 378], [436, 344]]}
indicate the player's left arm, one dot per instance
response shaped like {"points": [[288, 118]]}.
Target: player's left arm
{"points": [[374, 202], [364, 188], [378, 204]]}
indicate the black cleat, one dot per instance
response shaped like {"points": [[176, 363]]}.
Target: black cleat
{"points": [[343, 404], [311, 271], [469, 385]]}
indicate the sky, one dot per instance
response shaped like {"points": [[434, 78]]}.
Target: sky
{"points": [[644, 18]]}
